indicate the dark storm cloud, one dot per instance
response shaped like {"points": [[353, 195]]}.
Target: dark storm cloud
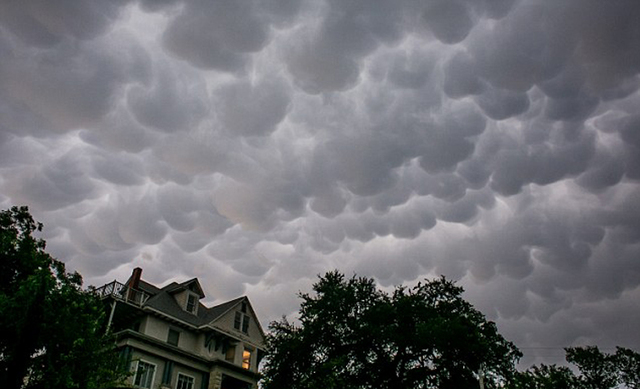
{"points": [[173, 103], [449, 21], [247, 109], [43, 23], [326, 55], [265, 142], [65, 87], [220, 35]]}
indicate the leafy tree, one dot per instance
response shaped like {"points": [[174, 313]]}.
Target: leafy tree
{"points": [[52, 333], [545, 377], [628, 364], [595, 370], [352, 335]]}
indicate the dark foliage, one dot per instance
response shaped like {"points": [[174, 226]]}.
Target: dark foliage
{"points": [[52, 333], [352, 335], [596, 370]]}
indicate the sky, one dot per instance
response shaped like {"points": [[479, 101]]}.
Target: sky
{"points": [[256, 144]]}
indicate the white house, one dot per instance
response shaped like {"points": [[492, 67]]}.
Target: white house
{"points": [[171, 340]]}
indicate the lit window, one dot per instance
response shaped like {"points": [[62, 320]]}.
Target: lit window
{"points": [[144, 375], [246, 359], [184, 382], [174, 337], [191, 303]]}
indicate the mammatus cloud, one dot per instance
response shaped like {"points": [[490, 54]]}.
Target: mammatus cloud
{"points": [[256, 144]]}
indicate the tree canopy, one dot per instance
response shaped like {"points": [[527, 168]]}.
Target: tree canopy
{"points": [[594, 370], [353, 335], [52, 333]]}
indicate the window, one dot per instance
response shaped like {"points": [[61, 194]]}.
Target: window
{"points": [[174, 337], [241, 322], [230, 355], [238, 320], [244, 307], [191, 303], [245, 324], [184, 382], [144, 374], [246, 359], [166, 374]]}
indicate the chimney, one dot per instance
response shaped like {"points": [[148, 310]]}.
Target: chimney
{"points": [[134, 282], [135, 278]]}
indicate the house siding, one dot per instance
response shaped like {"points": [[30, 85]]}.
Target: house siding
{"points": [[144, 329]]}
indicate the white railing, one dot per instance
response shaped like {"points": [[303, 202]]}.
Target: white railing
{"points": [[122, 292]]}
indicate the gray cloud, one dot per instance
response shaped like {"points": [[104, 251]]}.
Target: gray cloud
{"points": [[217, 35], [247, 109], [449, 21], [256, 144], [42, 23]]}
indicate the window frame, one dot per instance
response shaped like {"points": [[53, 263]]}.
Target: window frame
{"points": [[230, 354], [193, 381], [245, 324], [241, 322], [153, 374], [247, 354], [194, 310]]}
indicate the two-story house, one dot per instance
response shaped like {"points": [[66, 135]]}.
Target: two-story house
{"points": [[171, 340]]}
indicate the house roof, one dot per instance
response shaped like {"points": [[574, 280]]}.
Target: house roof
{"points": [[162, 300], [192, 285]]}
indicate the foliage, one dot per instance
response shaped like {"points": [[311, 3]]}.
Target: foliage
{"points": [[596, 370], [352, 335], [52, 333], [545, 377], [628, 366]]}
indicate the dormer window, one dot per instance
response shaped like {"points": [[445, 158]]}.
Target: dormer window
{"points": [[192, 303]]}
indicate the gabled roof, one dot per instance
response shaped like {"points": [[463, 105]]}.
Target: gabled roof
{"points": [[192, 285], [226, 307], [218, 310], [162, 301], [148, 288]]}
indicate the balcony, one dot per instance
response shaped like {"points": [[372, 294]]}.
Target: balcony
{"points": [[122, 292]]}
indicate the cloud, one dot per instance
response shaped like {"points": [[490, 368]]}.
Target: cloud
{"points": [[217, 35], [41, 23], [256, 144], [247, 109], [172, 104], [449, 21]]}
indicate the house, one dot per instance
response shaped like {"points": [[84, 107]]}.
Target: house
{"points": [[171, 340]]}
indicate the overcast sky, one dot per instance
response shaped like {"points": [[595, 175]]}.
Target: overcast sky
{"points": [[255, 144]]}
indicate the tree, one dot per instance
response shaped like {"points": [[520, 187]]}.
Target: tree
{"points": [[628, 364], [52, 333], [545, 377], [352, 335], [596, 370]]}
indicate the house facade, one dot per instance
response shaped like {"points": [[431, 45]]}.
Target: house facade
{"points": [[171, 340]]}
